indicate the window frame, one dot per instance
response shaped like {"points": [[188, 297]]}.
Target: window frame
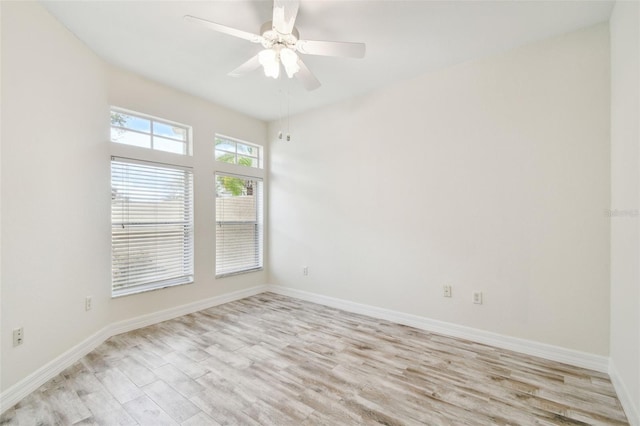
{"points": [[244, 172], [259, 157], [259, 223], [188, 149], [187, 255], [160, 158]]}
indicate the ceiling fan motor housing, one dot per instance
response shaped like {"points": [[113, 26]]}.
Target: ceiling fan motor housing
{"points": [[272, 38]]}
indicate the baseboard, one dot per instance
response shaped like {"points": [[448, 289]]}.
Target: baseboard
{"points": [[630, 408], [528, 347], [24, 387], [33, 381]]}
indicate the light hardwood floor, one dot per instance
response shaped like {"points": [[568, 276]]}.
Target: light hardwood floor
{"points": [[270, 359]]}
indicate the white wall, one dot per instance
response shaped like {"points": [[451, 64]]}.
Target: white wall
{"points": [[1, 318], [56, 192], [490, 176], [625, 197], [55, 217]]}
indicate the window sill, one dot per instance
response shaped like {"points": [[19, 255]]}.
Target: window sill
{"points": [[146, 288], [244, 271]]}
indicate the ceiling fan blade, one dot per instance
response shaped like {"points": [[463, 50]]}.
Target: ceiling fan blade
{"points": [[254, 38], [331, 48], [284, 15], [308, 80], [251, 65]]}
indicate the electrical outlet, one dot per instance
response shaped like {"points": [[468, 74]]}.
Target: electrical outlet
{"points": [[305, 270], [446, 291], [477, 297], [88, 303], [18, 336]]}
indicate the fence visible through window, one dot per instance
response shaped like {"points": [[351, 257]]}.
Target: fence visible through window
{"points": [[238, 224]]}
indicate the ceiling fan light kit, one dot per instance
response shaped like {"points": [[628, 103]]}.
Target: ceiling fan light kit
{"points": [[271, 58], [281, 41], [279, 48]]}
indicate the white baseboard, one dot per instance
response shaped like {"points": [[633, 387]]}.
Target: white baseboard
{"points": [[631, 409], [24, 387], [528, 347], [33, 381]]}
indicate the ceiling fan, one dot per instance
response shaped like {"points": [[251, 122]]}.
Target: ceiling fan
{"points": [[281, 41]]}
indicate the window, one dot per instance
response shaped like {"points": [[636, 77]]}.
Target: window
{"points": [[147, 132], [238, 224], [239, 206], [232, 151], [151, 226]]}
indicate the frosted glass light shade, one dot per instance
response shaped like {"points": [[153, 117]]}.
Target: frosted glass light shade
{"points": [[268, 58], [289, 61]]}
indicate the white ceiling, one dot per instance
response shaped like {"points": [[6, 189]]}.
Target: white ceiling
{"points": [[404, 39]]}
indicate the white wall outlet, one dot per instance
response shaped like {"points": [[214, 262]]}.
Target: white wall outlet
{"points": [[18, 336], [88, 303], [305, 270], [477, 297], [446, 291]]}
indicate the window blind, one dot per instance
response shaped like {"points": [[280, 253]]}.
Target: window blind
{"points": [[239, 227], [151, 225]]}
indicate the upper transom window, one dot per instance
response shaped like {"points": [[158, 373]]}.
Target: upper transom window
{"points": [[238, 152], [132, 128]]}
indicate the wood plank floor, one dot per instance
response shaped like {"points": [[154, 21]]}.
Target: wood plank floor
{"points": [[274, 360]]}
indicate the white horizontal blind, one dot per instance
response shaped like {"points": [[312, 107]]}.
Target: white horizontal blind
{"points": [[151, 225], [239, 226]]}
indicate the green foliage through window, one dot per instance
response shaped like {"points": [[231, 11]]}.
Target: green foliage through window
{"points": [[231, 151]]}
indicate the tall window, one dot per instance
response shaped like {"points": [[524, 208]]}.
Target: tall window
{"points": [[151, 226], [144, 131], [238, 224]]}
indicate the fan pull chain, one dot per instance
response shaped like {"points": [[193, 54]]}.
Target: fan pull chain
{"points": [[280, 115], [288, 115]]}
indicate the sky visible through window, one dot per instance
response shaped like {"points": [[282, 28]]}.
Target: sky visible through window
{"points": [[147, 132]]}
